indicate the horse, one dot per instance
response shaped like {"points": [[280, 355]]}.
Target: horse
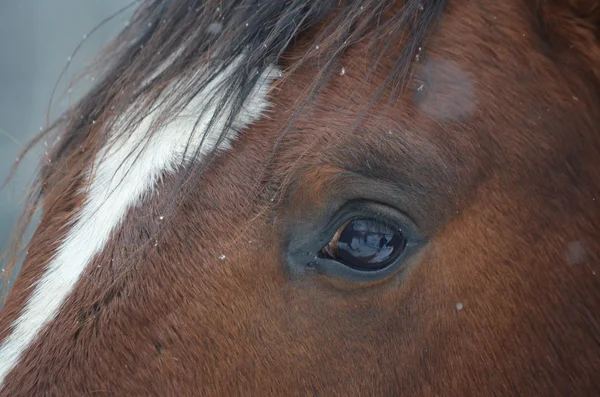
{"points": [[349, 198]]}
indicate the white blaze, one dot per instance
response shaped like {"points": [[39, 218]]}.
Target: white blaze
{"points": [[124, 173]]}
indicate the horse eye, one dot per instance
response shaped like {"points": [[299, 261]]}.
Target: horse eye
{"points": [[366, 245]]}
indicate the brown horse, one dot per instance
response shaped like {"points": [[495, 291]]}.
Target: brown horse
{"points": [[322, 197]]}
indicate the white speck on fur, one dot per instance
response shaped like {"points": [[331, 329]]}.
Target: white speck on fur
{"points": [[215, 28], [459, 306], [125, 172]]}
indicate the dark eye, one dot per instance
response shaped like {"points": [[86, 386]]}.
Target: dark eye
{"points": [[365, 245]]}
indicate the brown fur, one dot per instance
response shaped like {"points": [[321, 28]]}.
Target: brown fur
{"points": [[493, 149]]}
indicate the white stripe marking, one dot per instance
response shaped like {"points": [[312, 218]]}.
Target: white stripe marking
{"points": [[121, 181]]}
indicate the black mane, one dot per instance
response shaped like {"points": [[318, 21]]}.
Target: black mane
{"points": [[262, 30]]}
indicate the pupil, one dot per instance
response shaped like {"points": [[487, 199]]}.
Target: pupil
{"points": [[366, 244]]}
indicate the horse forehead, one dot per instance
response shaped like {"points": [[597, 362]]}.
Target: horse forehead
{"points": [[126, 170]]}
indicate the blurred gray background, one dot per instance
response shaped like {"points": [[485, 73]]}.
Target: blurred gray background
{"points": [[36, 39]]}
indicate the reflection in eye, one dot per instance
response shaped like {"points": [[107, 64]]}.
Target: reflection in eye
{"points": [[365, 244]]}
